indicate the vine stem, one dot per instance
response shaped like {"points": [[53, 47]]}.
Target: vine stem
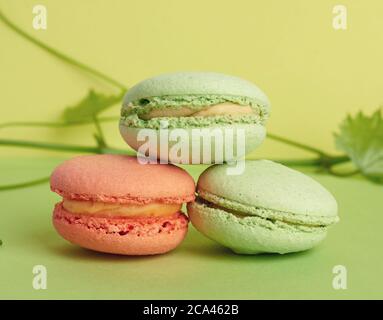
{"points": [[296, 144], [60, 55], [298, 162], [24, 184], [343, 174], [316, 162], [54, 124], [329, 161], [60, 147], [304, 162], [326, 162], [100, 134], [47, 146]]}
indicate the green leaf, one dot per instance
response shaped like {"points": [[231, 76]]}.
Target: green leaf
{"points": [[361, 138], [90, 106]]}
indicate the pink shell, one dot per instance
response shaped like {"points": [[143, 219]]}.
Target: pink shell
{"points": [[119, 178]]}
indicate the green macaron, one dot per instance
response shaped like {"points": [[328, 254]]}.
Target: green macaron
{"points": [[267, 208], [190, 108]]}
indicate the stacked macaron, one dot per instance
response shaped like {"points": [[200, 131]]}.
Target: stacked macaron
{"points": [[119, 204], [199, 105]]}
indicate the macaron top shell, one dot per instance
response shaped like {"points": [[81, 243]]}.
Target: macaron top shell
{"points": [[195, 83], [122, 179], [271, 186]]}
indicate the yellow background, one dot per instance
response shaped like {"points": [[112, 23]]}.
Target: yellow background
{"points": [[312, 73]]}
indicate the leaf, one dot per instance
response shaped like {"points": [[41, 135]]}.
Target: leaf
{"points": [[90, 106], [361, 138]]}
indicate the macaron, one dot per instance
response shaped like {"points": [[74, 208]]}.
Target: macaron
{"points": [[268, 208], [115, 204], [200, 114]]}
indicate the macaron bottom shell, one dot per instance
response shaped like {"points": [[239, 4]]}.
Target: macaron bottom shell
{"points": [[253, 136], [251, 234], [124, 236]]}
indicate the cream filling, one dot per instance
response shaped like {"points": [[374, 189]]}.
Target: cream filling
{"points": [[119, 209], [226, 108]]}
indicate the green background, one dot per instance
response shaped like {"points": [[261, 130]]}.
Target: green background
{"points": [[199, 268], [313, 75]]}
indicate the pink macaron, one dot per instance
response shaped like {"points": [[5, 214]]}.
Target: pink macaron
{"points": [[114, 204]]}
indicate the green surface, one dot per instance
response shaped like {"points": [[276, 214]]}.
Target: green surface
{"points": [[199, 268]]}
